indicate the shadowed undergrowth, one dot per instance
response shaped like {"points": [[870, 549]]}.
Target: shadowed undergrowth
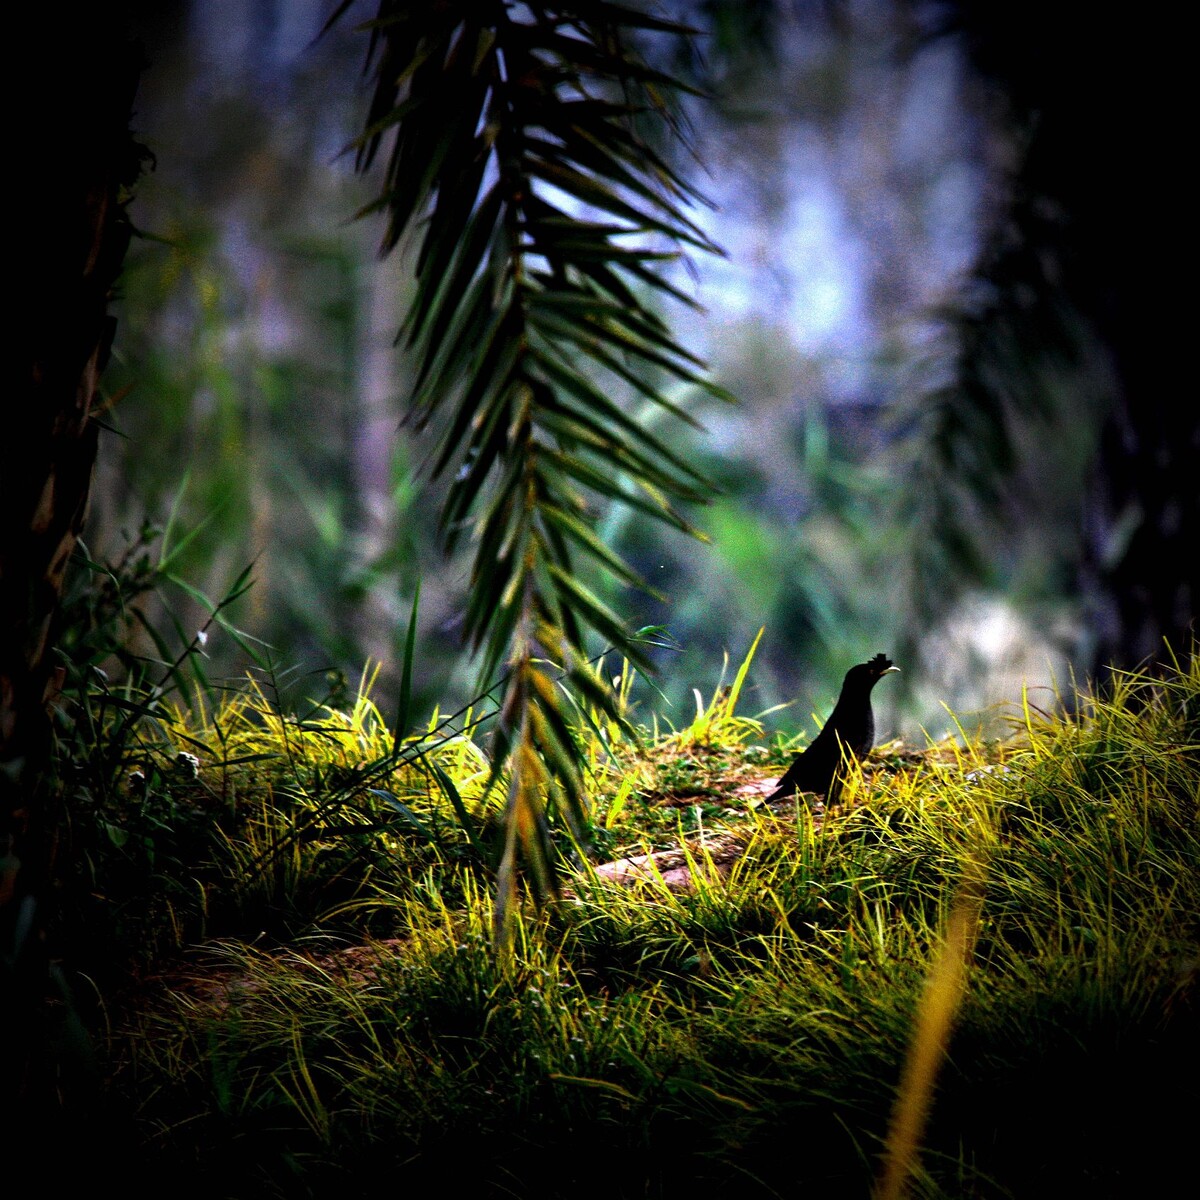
{"points": [[320, 1005]]}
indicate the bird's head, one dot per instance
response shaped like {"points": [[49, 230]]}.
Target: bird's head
{"points": [[868, 674], [881, 665]]}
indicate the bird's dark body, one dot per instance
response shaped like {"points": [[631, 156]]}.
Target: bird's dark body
{"points": [[849, 733]]}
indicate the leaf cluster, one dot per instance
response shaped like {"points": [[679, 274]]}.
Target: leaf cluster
{"points": [[542, 218]]}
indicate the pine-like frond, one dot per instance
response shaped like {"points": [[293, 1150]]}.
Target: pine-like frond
{"points": [[542, 218]]}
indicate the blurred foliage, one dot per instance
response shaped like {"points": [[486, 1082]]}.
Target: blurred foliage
{"points": [[1055, 426], [251, 356], [858, 161], [256, 451]]}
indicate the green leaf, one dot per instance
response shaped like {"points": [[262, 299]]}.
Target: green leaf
{"points": [[570, 524], [404, 705], [489, 107]]}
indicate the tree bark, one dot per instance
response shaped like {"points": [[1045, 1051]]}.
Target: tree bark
{"points": [[75, 160]]}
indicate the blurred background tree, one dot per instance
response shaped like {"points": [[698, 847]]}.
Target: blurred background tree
{"points": [[927, 313], [1068, 354]]}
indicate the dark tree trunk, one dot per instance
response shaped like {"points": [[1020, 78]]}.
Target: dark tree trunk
{"points": [[71, 167], [1090, 271], [1142, 550]]}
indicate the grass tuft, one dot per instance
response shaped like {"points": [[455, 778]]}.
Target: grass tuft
{"points": [[976, 976]]}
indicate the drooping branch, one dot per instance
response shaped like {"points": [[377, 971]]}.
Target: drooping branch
{"points": [[542, 218]]}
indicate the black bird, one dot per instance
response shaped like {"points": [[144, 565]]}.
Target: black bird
{"points": [[849, 733]]}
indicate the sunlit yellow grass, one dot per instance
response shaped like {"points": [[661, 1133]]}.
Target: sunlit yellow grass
{"points": [[968, 906]]}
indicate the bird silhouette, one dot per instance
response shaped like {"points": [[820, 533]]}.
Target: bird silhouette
{"points": [[848, 734]]}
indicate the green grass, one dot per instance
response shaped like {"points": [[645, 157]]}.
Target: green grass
{"points": [[319, 1008]]}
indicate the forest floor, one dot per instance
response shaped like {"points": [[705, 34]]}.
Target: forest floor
{"points": [[979, 972]]}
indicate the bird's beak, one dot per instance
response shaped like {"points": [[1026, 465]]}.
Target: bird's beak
{"points": [[888, 671]]}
